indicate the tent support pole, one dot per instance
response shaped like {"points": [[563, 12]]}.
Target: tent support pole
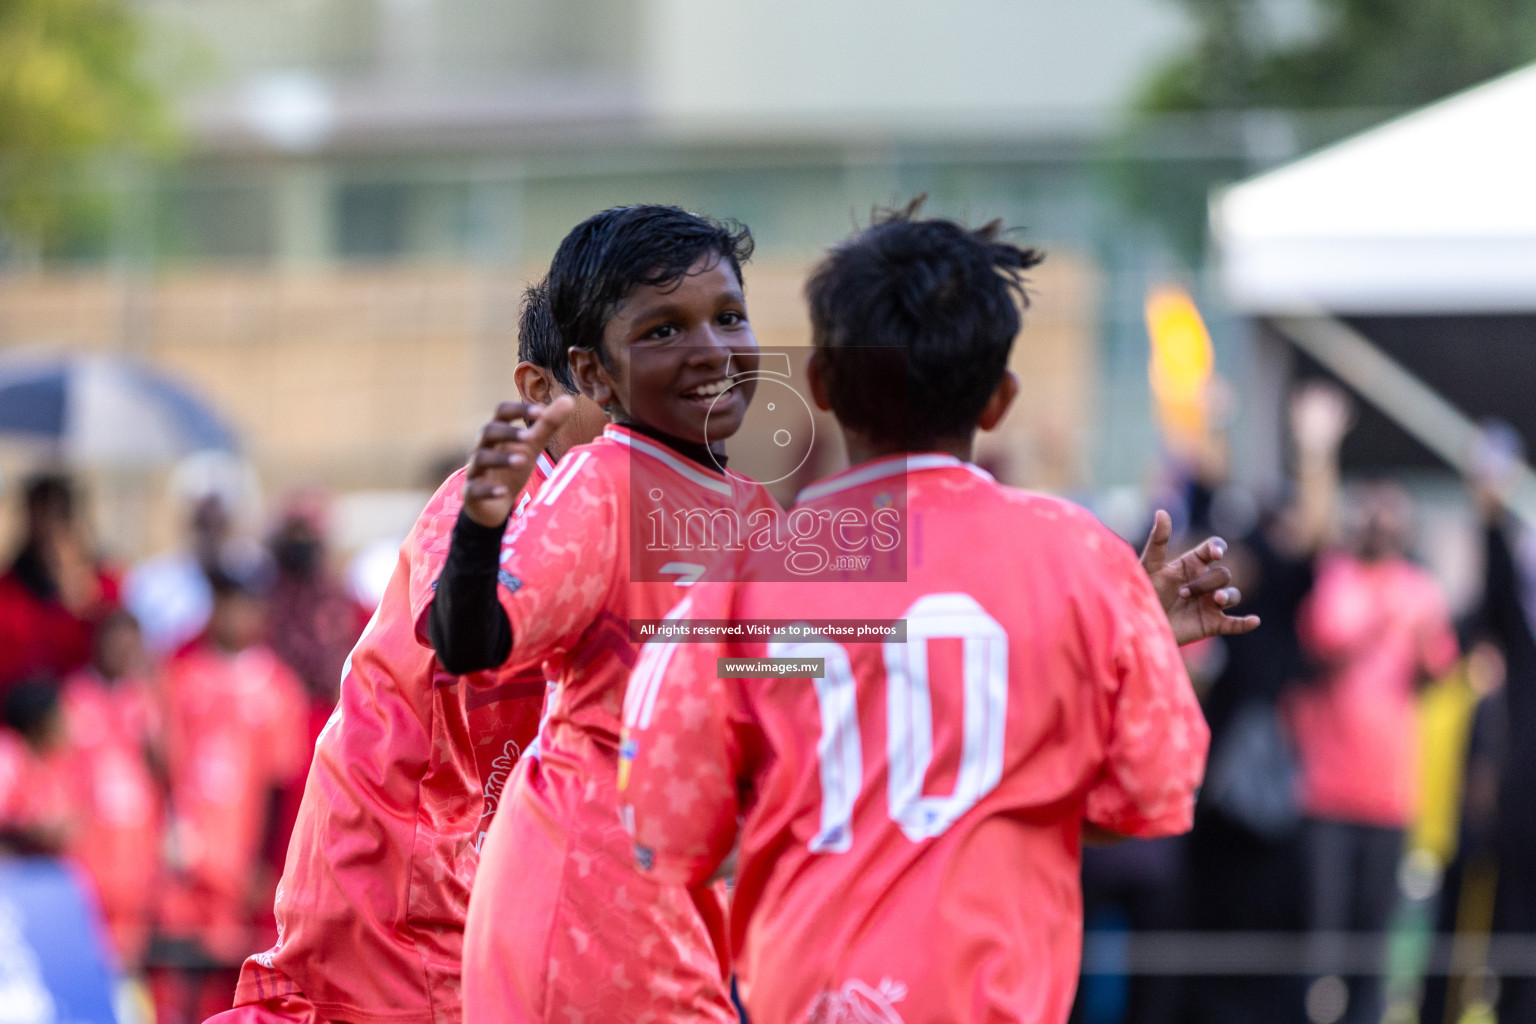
{"points": [[1403, 398]]}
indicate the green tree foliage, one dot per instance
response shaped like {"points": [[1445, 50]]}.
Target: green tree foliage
{"points": [[1314, 69], [1356, 53], [71, 88]]}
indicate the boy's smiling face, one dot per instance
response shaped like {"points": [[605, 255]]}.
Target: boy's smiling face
{"points": [[669, 351]]}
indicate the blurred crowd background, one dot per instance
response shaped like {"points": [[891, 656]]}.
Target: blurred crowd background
{"points": [[260, 263]]}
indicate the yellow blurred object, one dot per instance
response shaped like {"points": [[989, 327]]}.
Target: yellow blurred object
{"points": [[1479, 1013], [1180, 366], [1445, 721]]}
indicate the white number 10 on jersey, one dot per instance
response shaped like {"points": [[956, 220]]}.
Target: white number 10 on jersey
{"points": [[909, 720]]}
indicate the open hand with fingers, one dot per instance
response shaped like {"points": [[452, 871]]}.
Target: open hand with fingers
{"points": [[504, 456], [1195, 590]]}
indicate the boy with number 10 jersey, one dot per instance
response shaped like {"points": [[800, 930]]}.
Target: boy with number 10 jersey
{"points": [[910, 812], [913, 818]]}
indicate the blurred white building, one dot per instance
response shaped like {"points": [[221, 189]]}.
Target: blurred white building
{"points": [[369, 129]]}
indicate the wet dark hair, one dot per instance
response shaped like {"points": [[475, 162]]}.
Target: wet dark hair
{"points": [[537, 340], [29, 704], [921, 310], [610, 254]]}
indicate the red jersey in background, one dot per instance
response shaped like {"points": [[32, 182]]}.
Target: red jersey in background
{"points": [[1378, 628], [40, 636], [236, 733], [39, 800], [111, 728]]}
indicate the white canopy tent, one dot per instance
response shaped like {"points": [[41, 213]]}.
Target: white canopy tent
{"points": [[1434, 212]]}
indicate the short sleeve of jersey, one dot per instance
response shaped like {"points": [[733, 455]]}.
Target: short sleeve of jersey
{"points": [[560, 560], [1156, 737], [681, 753]]}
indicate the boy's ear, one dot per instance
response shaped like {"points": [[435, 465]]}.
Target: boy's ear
{"points": [[591, 376], [534, 383], [818, 383], [997, 406]]}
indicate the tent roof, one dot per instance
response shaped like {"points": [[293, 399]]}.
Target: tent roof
{"points": [[1432, 212]]}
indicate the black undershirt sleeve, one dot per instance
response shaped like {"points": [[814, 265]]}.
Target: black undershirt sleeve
{"points": [[466, 623]]}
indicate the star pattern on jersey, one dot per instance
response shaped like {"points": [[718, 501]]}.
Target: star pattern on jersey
{"points": [[663, 753], [609, 943]]}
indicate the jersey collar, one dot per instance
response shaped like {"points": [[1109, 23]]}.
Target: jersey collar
{"points": [[683, 467], [888, 466], [546, 467]]}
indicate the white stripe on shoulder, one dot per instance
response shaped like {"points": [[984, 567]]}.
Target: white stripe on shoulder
{"points": [[564, 474], [666, 458], [878, 470], [546, 467]]}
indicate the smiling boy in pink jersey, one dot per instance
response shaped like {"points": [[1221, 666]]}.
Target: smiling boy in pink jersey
{"points": [[650, 301]]}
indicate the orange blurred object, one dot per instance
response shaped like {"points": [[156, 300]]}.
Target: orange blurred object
{"points": [[1180, 367]]}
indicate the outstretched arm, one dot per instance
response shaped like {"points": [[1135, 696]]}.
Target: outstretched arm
{"points": [[1320, 416], [1194, 589]]}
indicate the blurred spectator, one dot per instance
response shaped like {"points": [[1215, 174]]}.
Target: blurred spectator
{"points": [[235, 736], [170, 595], [38, 813], [1245, 847], [112, 721], [1135, 887], [1509, 618], [1466, 902], [315, 621], [1378, 627], [53, 592]]}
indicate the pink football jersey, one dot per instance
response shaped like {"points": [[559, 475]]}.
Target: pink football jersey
{"points": [[111, 726], [1375, 628], [561, 926], [910, 821], [236, 729], [372, 902]]}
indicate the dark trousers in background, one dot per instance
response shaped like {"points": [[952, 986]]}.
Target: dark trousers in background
{"points": [[1514, 912], [1242, 882], [1352, 887], [1136, 887]]}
